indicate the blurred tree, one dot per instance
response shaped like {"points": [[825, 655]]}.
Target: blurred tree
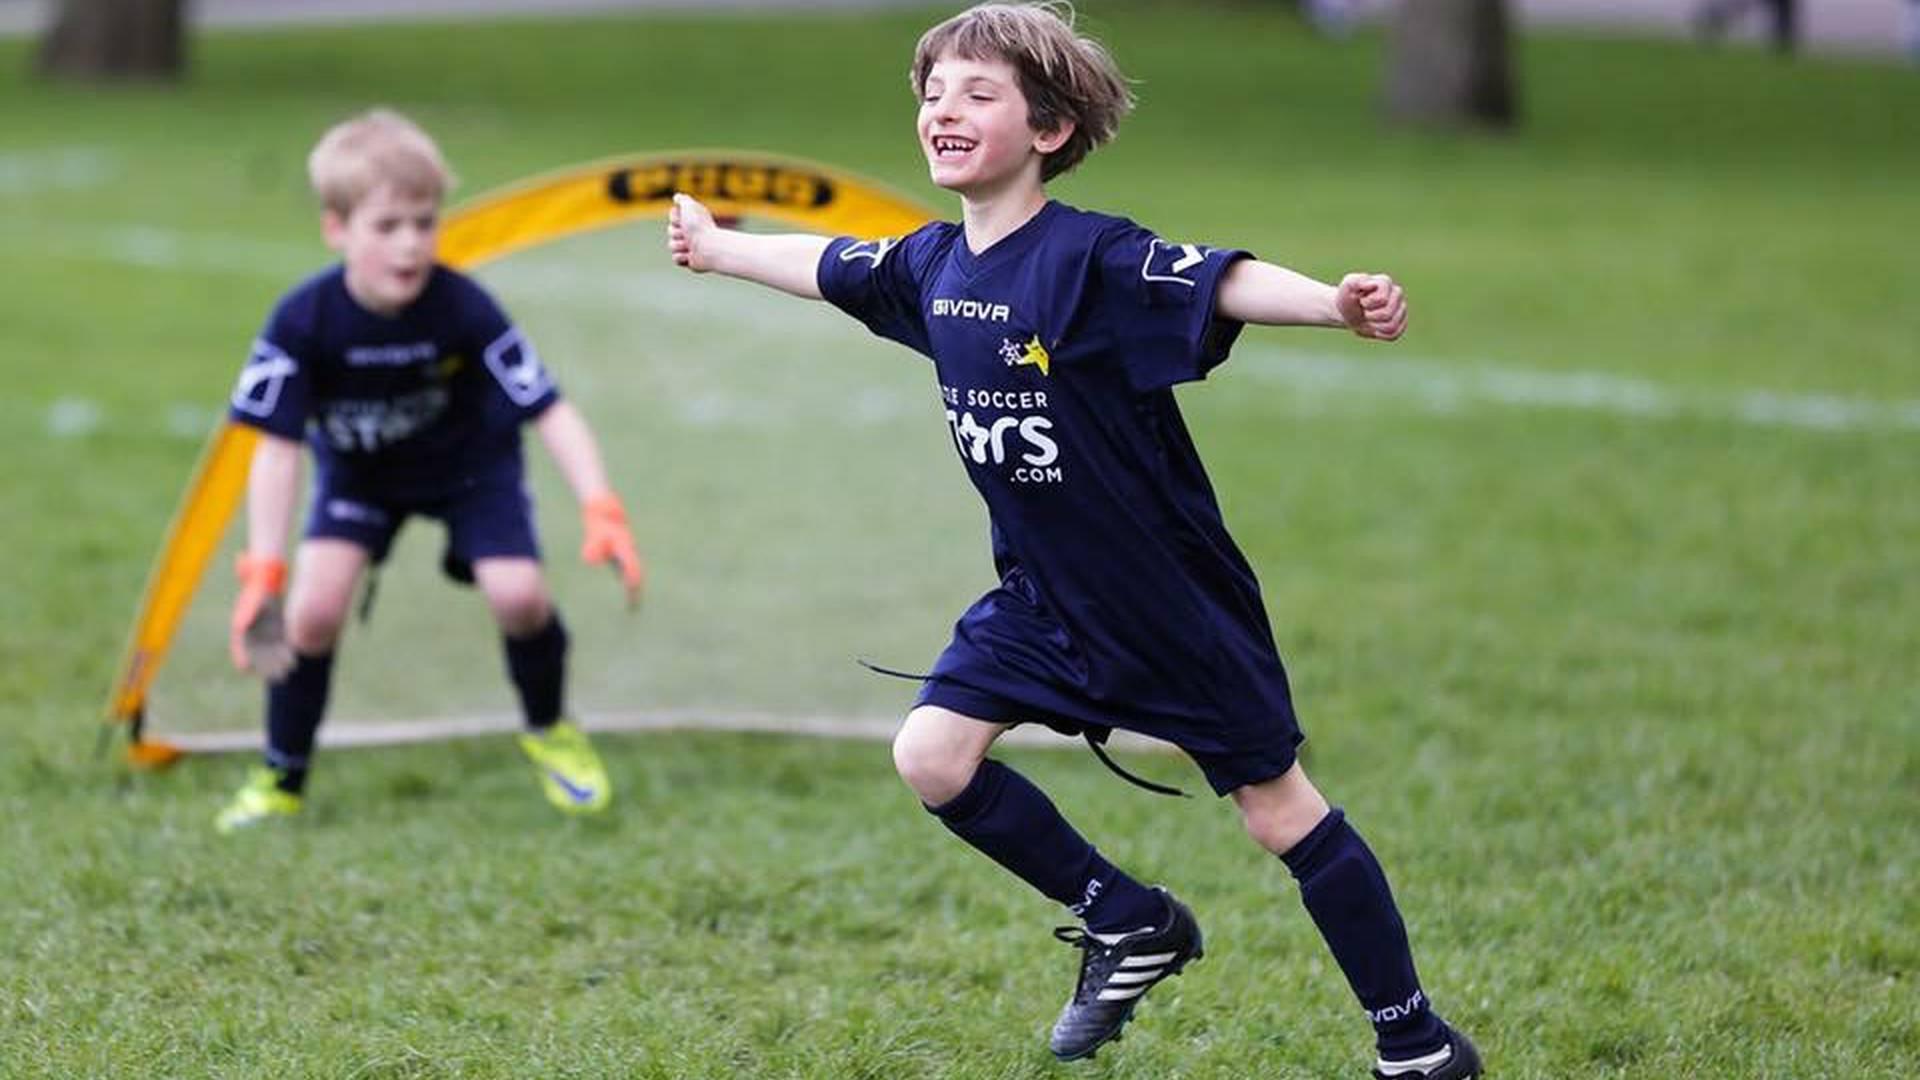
{"points": [[1713, 18], [99, 40], [1448, 63]]}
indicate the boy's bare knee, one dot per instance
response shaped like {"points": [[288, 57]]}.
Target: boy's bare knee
{"points": [[1276, 832], [932, 776], [313, 626], [522, 615], [1279, 813], [325, 575], [936, 761], [516, 593]]}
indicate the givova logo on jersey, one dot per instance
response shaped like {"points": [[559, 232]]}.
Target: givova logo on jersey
{"points": [[1018, 439]]}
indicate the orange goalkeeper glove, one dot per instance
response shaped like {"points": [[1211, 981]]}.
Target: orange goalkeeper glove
{"points": [[257, 635], [608, 540]]}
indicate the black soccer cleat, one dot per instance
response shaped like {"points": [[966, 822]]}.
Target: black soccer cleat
{"points": [[1458, 1060], [1115, 975]]}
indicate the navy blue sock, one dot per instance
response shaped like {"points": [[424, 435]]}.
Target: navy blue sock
{"points": [[295, 706], [537, 664], [1346, 892], [1013, 823]]}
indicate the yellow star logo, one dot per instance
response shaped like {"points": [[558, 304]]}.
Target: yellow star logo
{"points": [[1036, 354]]}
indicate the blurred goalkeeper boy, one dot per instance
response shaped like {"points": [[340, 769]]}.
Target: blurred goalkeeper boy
{"points": [[1057, 336], [410, 385]]}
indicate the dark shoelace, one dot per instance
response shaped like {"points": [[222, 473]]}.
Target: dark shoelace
{"points": [[1097, 960]]}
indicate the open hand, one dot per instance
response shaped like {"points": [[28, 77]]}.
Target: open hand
{"points": [[690, 229], [1373, 306]]}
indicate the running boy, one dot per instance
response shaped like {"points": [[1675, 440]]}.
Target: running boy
{"points": [[410, 385], [1056, 336]]}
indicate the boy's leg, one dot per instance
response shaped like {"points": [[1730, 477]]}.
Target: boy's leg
{"points": [[491, 530], [325, 573], [532, 635], [1135, 936], [942, 755], [1346, 893], [535, 643], [326, 569]]}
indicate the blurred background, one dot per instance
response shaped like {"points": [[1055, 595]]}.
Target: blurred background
{"points": [[1846, 26], [1598, 590]]}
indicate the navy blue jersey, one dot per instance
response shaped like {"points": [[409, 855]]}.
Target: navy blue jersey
{"points": [[1123, 601], [415, 406]]}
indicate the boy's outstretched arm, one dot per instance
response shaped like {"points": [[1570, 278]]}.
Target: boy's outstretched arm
{"points": [[1371, 305], [603, 517], [788, 262], [256, 632]]}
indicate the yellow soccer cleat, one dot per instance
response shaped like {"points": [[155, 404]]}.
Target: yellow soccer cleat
{"points": [[259, 799], [570, 771]]}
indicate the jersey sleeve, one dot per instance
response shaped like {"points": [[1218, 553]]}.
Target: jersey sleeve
{"points": [[878, 282], [1160, 300], [517, 382], [274, 392]]}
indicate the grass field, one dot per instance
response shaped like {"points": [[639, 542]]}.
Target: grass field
{"points": [[1599, 592]]}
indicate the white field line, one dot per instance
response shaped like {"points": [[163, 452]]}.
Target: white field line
{"points": [[73, 417], [1453, 388], [344, 734], [58, 168], [79, 417], [1431, 386], [177, 250]]}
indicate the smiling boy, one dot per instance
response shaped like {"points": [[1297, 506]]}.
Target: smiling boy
{"points": [[1057, 336]]}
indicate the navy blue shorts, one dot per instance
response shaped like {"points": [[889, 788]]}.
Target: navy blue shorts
{"points": [[1268, 757], [484, 522]]}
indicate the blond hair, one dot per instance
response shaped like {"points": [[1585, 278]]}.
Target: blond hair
{"points": [[379, 146], [1063, 75]]}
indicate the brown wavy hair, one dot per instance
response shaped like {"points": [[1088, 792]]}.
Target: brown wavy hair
{"points": [[1064, 75]]}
